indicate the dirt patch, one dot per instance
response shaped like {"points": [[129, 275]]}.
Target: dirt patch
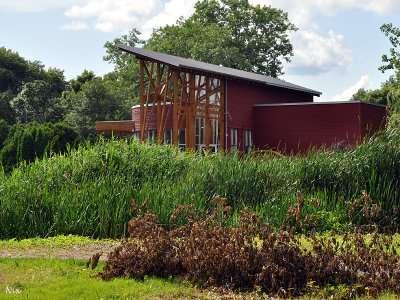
{"points": [[78, 251]]}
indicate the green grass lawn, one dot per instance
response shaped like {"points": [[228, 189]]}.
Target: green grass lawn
{"points": [[48, 277], [51, 278]]}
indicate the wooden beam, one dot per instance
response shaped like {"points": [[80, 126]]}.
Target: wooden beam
{"points": [[207, 118], [175, 133], [190, 119], [126, 127], [222, 114], [160, 136], [141, 101]]}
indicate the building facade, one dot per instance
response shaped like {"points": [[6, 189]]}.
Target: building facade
{"points": [[195, 105]]}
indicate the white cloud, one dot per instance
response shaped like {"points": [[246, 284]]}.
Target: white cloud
{"points": [[123, 15], [75, 25], [303, 12], [350, 91], [171, 12], [34, 6], [111, 15], [315, 54]]}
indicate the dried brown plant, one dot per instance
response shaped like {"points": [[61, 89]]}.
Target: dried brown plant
{"points": [[254, 257]]}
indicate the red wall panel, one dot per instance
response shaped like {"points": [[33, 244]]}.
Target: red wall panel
{"points": [[296, 127], [373, 118], [153, 122], [241, 96]]}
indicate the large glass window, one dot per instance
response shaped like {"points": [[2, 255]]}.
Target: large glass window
{"points": [[136, 135], [215, 136], [168, 136], [152, 135], [182, 139], [200, 133], [234, 138], [248, 140]]}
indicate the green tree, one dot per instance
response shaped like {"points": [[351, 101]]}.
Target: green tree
{"points": [[124, 80], [76, 84], [393, 60], [255, 37], [4, 129], [37, 102], [15, 71], [95, 101], [379, 96], [6, 111], [389, 93], [204, 42]]}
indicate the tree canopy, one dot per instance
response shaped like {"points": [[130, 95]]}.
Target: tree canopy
{"points": [[389, 93], [232, 33]]}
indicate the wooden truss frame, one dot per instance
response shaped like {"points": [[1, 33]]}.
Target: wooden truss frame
{"points": [[166, 91]]}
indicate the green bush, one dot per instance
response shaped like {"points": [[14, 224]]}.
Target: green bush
{"points": [[4, 128], [26, 142]]}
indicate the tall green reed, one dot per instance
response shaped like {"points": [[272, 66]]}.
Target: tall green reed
{"points": [[87, 190]]}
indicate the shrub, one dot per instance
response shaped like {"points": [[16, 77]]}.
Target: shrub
{"points": [[30, 141], [252, 256]]}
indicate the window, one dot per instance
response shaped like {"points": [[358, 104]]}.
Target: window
{"points": [[234, 139], [182, 139], [136, 135], [152, 135], [248, 140], [200, 133], [215, 136], [168, 136]]}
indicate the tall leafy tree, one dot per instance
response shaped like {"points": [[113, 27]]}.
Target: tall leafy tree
{"points": [[15, 71], [233, 33], [95, 101], [392, 61], [37, 102], [389, 93], [7, 113], [124, 80]]}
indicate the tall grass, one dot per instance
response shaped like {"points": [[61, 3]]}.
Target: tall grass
{"points": [[87, 191]]}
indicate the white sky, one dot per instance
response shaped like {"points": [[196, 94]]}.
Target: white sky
{"points": [[337, 48]]}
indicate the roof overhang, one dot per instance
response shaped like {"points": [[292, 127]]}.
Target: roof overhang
{"points": [[181, 63]]}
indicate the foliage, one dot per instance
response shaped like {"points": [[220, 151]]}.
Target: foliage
{"points": [[203, 42], [4, 128], [392, 62], [379, 96], [76, 84], [125, 77], [86, 191], [233, 33], [25, 143], [252, 256], [15, 71], [6, 111], [37, 102], [389, 93], [94, 101]]}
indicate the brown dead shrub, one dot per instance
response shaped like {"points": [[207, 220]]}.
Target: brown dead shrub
{"points": [[253, 256]]}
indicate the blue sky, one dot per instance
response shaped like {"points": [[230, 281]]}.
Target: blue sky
{"points": [[338, 46]]}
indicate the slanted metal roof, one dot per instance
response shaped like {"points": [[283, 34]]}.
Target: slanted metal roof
{"points": [[180, 62]]}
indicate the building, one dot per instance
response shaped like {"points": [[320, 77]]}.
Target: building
{"points": [[196, 105]]}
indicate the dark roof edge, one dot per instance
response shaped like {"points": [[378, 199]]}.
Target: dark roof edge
{"points": [[180, 62], [319, 103]]}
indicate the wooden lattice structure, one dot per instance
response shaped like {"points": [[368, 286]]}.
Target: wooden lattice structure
{"points": [[186, 96]]}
